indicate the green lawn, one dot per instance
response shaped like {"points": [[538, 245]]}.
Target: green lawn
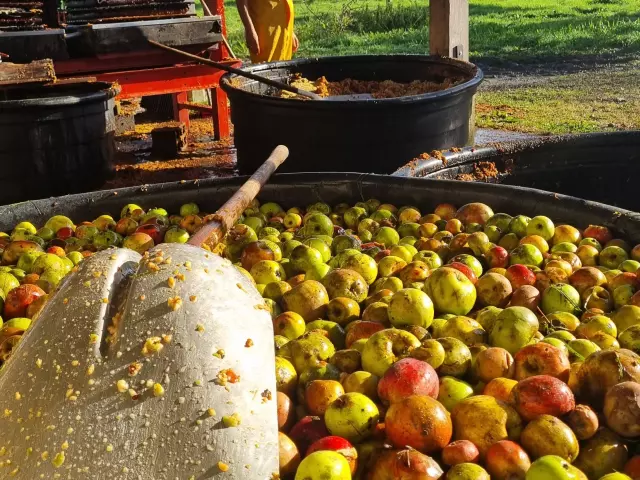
{"points": [[506, 29]]}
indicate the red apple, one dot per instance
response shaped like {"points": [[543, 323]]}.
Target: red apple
{"points": [[632, 467], [64, 233], [460, 451], [19, 299], [339, 445], [519, 275], [542, 395], [256, 251], [497, 257], [466, 270], [419, 422], [406, 464], [600, 233], [59, 251], [308, 430], [407, 377], [154, 231], [541, 359], [506, 460], [587, 277]]}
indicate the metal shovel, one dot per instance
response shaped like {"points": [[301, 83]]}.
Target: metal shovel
{"points": [[266, 81], [156, 368]]}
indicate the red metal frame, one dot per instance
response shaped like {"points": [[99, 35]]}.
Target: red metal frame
{"points": [[159, 72]]}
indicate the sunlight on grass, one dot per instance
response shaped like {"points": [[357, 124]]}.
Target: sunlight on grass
{"points": [[578, 103], [516, 30]]}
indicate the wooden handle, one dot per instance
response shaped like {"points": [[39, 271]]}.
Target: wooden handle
{"points": [[217, 224], [237, 71]]}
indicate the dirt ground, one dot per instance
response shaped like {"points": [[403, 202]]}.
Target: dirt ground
{"points": [[202, 158]]}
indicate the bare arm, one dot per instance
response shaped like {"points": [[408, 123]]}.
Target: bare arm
{"points": [[249, 29]]}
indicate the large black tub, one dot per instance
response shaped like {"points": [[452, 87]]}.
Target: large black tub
{"points": [[603, 167], [55, 140], [305, 188], [368, 135]]}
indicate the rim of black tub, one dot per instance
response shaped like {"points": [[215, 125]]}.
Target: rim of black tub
{"points": [[473, 71], [60, 95]]}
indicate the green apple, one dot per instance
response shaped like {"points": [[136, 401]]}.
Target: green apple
{"points": [[46, 234], [387, 236], [431, 259], [552, 467], [346, 283], [386, 347], [453, 390], [324, 464], [513, 329], [176, 235], [518, 225], [320, 246], [352, 416], [629, 266], [317, 272], [560, 297], [318, 224], [410, 306], [363, 264], [267, 271], [304, 257], [526, 254], [27, 226], [451, 291], [106, 239], [612, 257], [542, 226], [57, 222], [592, 242]]}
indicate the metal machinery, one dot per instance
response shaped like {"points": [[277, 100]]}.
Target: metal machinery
{"points": [[107, 40]]}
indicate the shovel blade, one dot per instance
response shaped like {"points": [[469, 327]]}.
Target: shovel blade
{"points": [[180, 385]]}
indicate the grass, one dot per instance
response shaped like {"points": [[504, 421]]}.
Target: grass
{"points": [[520, 31], [517, 30], [565, 104]]}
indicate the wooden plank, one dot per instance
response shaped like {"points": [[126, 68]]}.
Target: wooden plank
{"points": [[449, 28], [40, 71]]}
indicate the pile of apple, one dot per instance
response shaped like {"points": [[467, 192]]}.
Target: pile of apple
{"points": [[459, 344]]}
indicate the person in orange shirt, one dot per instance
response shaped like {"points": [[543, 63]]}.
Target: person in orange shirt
{"points": [[268, 27]]}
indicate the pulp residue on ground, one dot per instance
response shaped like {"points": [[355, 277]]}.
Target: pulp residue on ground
{"points": [[202, 158]]}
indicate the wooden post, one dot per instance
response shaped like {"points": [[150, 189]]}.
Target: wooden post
{"points": [[449, 28]]}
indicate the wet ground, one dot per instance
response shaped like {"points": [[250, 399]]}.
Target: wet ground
{"points": [[203, 157]]}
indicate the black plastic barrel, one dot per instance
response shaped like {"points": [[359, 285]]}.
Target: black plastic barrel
{"points": [[305, 188], [365, 135], [55, 140], [602, 167]]}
